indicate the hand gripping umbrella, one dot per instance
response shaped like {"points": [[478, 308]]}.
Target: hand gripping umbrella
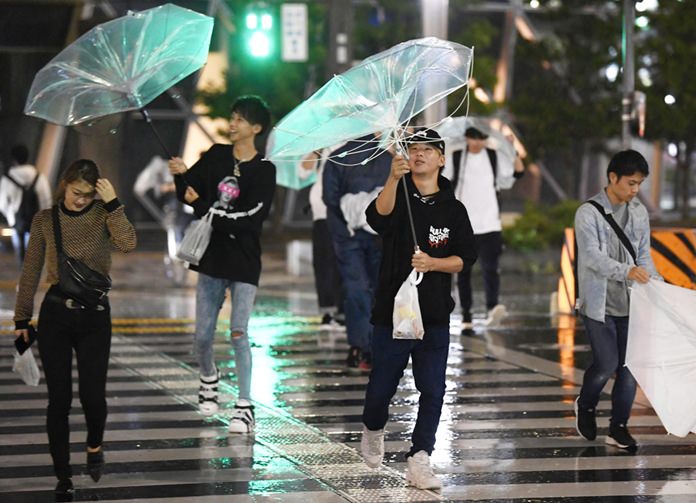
{"points": [[121, 65], [661, 351]]}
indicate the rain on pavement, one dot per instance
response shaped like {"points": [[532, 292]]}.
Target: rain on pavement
{"points": [[507, 432]]}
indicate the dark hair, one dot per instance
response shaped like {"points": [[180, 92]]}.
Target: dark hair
{"points": [[475, 133], [254, 110], [627, 163], [19, 154], [81, 170]]}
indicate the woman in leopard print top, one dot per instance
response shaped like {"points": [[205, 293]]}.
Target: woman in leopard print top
{"points": [[90, 229]]}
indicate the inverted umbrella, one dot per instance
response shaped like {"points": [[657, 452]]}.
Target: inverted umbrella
{"points": [[381, 94], [661, 352], [120, 65], [452, 130]]}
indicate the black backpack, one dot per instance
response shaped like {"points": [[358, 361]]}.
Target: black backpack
{"points": [[28, 206]]}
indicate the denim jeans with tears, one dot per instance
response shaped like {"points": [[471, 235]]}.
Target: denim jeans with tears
{"points": [[210, 294]]}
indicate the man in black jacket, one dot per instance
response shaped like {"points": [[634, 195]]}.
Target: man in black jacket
{"points": [[235, 185], [445, 245]]}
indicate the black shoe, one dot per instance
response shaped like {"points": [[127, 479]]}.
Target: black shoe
{"points": [[354, 355], [585, 422], [64, 490], [95, 464], [620, 437]]}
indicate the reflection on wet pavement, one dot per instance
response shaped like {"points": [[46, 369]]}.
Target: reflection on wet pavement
{"points": [[507, 430]]}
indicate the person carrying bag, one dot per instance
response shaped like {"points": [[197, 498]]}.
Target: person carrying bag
{"points": [[74, 242], [444, 244]]}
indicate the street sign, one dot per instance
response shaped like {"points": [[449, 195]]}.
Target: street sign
{"points": [[294, 32]]}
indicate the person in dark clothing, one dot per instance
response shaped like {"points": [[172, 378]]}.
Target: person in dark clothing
{"points": [[235, 185], [90, 229], [445, 245], [357, 249]]}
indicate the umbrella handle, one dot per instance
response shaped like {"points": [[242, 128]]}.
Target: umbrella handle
{"points": [[169, 155], [148, 119]]}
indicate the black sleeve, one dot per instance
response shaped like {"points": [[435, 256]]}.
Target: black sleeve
{"points": [[382, 223], [464, 243], [195, 177]]}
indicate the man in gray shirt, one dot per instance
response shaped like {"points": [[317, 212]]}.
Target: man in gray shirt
{"points": [[606, 269]]}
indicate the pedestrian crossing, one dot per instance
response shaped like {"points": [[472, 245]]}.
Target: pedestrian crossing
{"points": [[507, 431]]}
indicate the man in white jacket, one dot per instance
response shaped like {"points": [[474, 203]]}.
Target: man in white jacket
{"points": [[24, 175]]}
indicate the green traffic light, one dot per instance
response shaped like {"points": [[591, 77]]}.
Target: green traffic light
{"points": [[259, 44]]}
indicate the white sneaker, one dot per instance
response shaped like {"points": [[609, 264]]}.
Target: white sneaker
{"points": [[372, 447], [496, 315], [419, 473], [242, 420], [208, 394]]}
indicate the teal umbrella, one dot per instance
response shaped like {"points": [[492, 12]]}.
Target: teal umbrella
{"points": [[381, 94], [120, 65]]}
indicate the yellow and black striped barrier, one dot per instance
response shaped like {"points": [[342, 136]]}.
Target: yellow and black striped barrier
{"points": [[673, 250]]}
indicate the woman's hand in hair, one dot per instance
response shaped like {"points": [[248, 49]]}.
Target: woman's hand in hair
{"points": [[105, 190]]}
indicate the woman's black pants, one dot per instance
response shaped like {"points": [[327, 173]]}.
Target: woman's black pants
{"points": [[63, 327]]}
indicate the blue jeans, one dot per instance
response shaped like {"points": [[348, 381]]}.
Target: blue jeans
{"points": [[429, 362], [358, 262], [210, 294], [608, 341]]}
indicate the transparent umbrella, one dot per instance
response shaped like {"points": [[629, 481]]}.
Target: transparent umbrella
{"points": [[381, 94], [120, 65]]}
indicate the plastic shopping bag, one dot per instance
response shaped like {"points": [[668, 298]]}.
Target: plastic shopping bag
{"points": [[25, 366], [407, 319], [196, 240]]}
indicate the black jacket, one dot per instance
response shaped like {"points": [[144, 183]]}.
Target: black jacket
{"points": [[234, 251], [442, 229]]}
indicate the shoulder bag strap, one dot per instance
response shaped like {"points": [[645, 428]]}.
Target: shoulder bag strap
{"points": [[619, 231], [56, 231]]}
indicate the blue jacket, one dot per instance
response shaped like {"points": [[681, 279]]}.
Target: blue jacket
{"points": [[592, 233], [347, 175]]}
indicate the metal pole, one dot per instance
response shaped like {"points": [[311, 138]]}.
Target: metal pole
{"points": [[434, 14], [628, 72]]}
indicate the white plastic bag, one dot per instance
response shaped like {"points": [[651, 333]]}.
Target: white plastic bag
{"points": [[25, 366], [407, 319], [196, 240]]}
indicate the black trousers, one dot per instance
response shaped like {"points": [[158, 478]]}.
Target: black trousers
{"points": [[490, 247], [88, 332], [327, 277]]}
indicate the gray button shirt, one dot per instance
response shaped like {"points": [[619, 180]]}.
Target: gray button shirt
{"points": [[617, 291], [596, 265]]}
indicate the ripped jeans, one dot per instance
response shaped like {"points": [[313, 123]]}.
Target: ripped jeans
{"points": [[210, 294]]}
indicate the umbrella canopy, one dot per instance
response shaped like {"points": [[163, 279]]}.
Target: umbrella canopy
{"points": [[452, 130], [120, 65], [381, 94], [661, 352]]}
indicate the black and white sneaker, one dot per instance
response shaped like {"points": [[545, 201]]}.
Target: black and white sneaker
{"points": [[620, 437], [208, 394], [242, 420]]}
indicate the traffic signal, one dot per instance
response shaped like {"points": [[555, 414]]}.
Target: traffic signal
{"points": [[259, 23]]}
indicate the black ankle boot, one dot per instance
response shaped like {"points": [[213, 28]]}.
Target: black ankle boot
{"points": [[95, 464], [64, 490]]}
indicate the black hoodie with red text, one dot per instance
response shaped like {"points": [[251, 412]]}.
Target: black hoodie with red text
{"points": [[442, 230]]}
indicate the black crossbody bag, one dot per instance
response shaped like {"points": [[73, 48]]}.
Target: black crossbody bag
{"points": [[76, 279], [619, 231]]}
